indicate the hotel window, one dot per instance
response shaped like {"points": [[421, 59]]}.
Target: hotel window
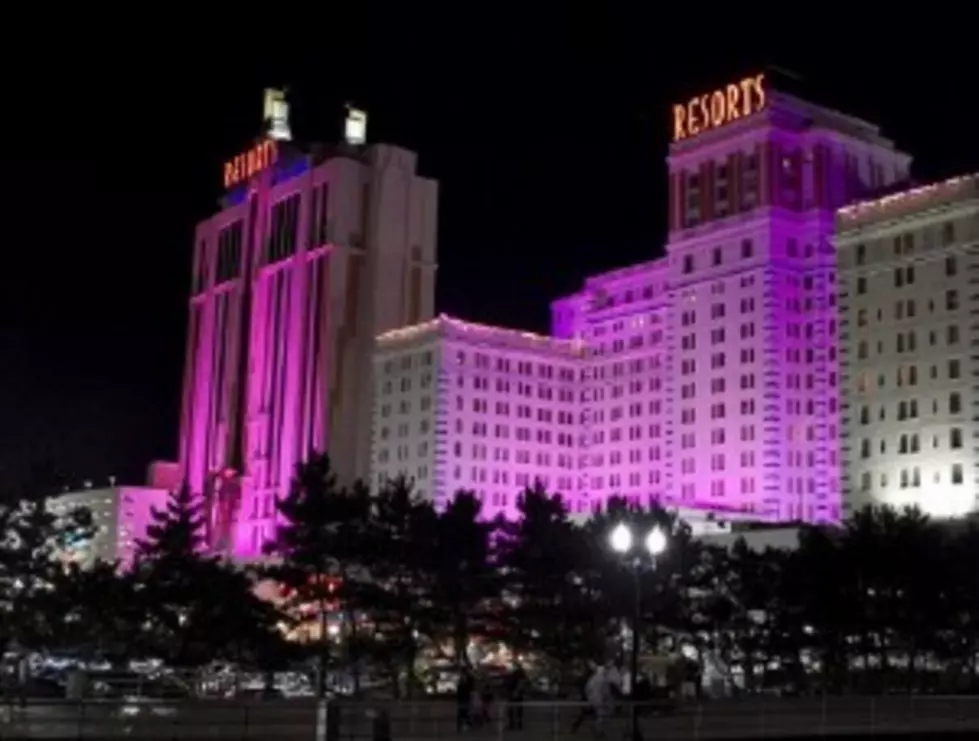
{"points": [[721, 192], [948, 234], [281, 239], [957, 476], [749, 183], [318, 216], [229, 252], [692, 211], [791, 180]]}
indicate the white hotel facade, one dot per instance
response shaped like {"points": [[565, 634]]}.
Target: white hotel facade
{"points": [[909, 302]]}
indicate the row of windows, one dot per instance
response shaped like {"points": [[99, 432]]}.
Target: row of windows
{"points": [[904, 276], [907, 309], [904, 244], [910, 443], [908, 409], [911, 477]]}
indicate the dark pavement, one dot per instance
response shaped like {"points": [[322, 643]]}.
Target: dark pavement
{"points": [[755, 718]]}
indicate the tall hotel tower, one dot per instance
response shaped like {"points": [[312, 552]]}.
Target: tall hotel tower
{"points": [[313, 253], [712, 381]]}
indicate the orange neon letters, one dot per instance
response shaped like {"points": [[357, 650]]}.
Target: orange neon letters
{"points": [[720, 107], [250, 162]]}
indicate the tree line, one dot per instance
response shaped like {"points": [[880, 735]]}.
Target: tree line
{"points": [[888, 602]]}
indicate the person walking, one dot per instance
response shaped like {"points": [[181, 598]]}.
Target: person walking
{"points": [[600, 695], [515, 687], [483, 707], [585, 711], [464, 699]]}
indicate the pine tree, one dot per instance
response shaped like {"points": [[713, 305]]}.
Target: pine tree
{"points": [[100, 613], [540, 553], [33, 538], [465, 580], [176, 532], [399, 560], [193, 599], [317, 548]]}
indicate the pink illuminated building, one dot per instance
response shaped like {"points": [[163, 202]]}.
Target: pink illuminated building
{"points": [[707, 379], [312, 254], [712, 377]]}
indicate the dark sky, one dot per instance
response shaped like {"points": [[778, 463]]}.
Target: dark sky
{"points": [[548, 134]]}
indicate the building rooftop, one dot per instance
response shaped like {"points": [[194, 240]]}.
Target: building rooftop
{"points": [[446, 326], [911, 200]]}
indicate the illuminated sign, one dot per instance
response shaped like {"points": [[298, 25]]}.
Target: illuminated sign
{"points": [[250, 163], [720, 107]]}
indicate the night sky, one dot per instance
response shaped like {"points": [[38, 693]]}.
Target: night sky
{"points": [[548, 135]]}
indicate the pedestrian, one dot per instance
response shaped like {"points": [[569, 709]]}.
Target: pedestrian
{"points": [[585, 711], [515, 688], [600, 691], [485, 702], [464, 699]]}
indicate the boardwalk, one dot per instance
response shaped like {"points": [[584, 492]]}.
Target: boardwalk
{"points": [[288, 720]]}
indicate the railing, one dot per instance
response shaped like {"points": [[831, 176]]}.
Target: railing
{"points": [[285, 720]]}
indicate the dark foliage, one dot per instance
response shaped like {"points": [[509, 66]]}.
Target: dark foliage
{"points": [[886, 603]]}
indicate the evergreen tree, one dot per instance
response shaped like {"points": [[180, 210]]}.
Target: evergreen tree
{"points": [[33, 541], [194, 601], [466, 583], [398, 559], [317, 548], [102, 616], [546, 599], [177, 532]]}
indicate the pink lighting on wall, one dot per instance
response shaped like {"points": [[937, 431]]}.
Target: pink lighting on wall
{"points": [[706, 379]]}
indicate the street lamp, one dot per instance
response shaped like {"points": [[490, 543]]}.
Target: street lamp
{"points": [[621, 539]]}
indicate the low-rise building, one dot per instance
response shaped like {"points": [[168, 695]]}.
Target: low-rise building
{"points": [[120, 516]]}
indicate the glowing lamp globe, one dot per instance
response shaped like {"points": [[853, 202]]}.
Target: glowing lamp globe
{"points": [[621, 538], [656, 541]]}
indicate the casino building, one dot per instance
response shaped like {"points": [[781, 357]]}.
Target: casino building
{"points": [[313, 252], [709, 378], [712, 377]]}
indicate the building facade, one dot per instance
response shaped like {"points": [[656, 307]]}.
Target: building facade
{"points": [[312, 254], [908, 265], [120, 517], [712, 377], [463, 406]]}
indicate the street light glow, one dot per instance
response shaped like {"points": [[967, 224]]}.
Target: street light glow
{"points": [[656, 541], [621, 538]]}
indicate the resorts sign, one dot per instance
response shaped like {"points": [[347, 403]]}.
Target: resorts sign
{"points": [[715, 109], [250, 162]]}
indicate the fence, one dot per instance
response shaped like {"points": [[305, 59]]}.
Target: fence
{"points": [[288, 720]]}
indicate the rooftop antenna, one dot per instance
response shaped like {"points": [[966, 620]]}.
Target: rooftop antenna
{"points": [[276, 114], [355, 126]]}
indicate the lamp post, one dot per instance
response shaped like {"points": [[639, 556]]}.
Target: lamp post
{"points": [[622, 540]]}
